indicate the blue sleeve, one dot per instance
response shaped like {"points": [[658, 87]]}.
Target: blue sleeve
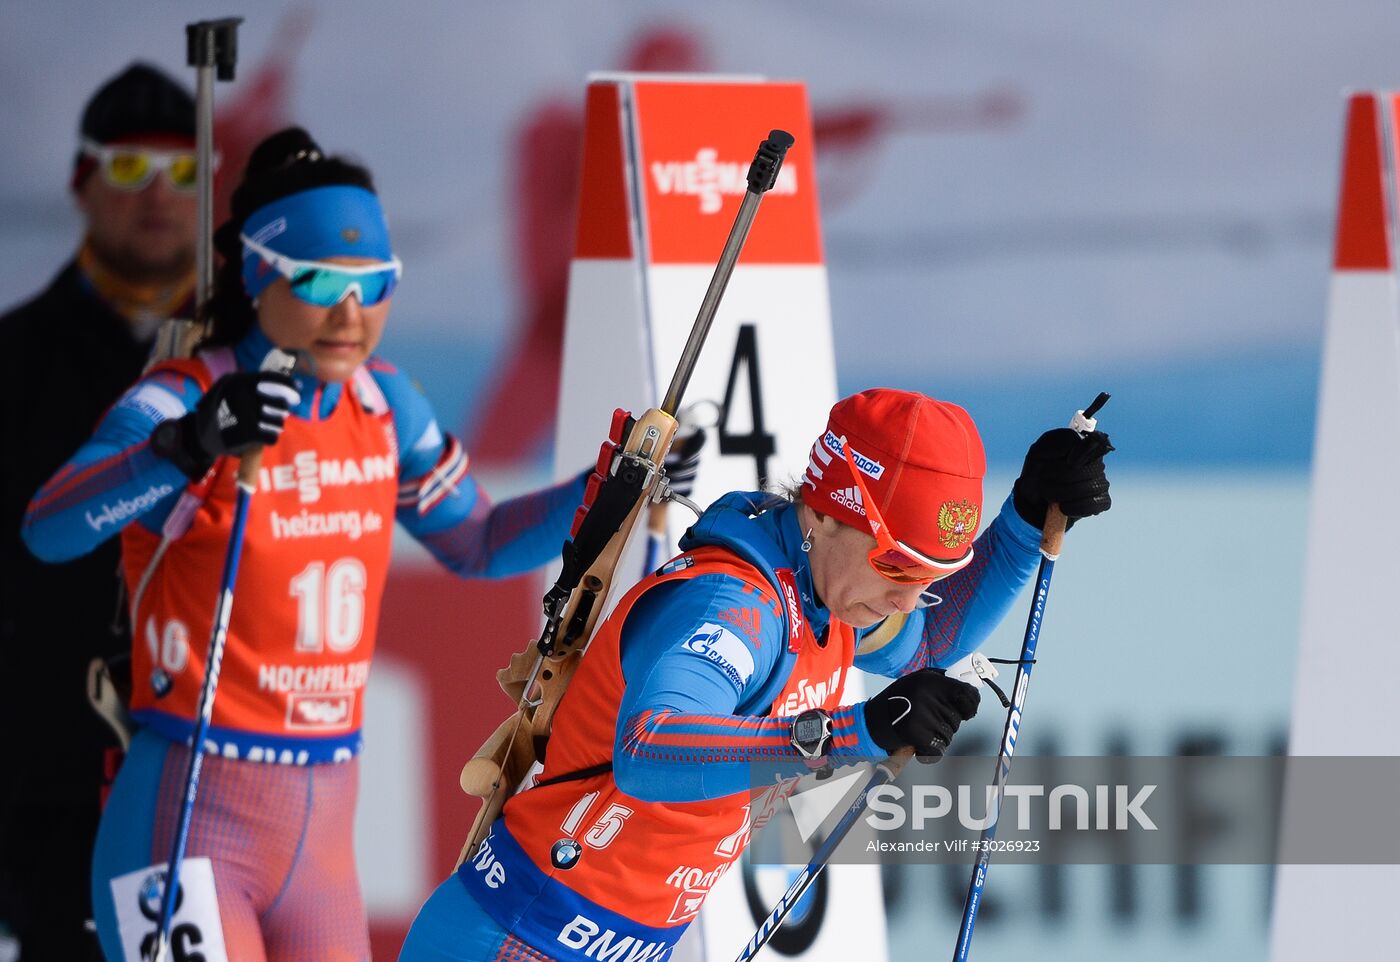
{"points": [[441, 504], [687, 668], [115, 478], [974, 601]]}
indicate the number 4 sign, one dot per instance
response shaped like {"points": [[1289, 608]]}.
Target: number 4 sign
{"points": [[756, 443]]}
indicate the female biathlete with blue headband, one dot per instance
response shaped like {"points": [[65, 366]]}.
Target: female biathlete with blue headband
{"points": [[351, 446]]}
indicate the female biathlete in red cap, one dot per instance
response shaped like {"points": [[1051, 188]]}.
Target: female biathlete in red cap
{"points": [[735, 652], [352, 447]]}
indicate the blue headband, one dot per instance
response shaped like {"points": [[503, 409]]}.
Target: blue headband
{"points": [[313, 225]]}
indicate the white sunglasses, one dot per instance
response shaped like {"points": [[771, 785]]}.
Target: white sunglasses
{"points": [[326, 285], [132, 167]]}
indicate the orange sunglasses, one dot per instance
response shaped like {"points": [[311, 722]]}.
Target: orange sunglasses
{"points": [[895, 560]]}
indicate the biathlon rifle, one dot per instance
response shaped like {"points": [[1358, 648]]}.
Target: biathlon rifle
{"points": [[627, 476], [211, 48]]}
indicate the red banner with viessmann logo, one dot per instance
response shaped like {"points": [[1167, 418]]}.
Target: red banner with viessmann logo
{"points": [[696, 141]]}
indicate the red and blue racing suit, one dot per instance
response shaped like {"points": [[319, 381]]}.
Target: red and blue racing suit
{"points": [[278, 789], [696, 675]]}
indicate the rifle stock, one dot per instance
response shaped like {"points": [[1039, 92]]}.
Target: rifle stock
{"points": [[503, 762]]}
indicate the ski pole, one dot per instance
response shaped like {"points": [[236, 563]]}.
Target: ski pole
{"points": [[1051, 539], [973, 670], [281, 362], [883, 773]]}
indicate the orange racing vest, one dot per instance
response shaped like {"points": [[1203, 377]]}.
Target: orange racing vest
{"points": [[652, 862], [306, 604]]}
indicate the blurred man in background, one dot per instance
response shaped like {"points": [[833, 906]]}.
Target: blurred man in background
{"points": [[65, 356]]}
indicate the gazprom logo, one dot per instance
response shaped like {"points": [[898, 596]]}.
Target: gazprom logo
{"points": [[867, 466]]}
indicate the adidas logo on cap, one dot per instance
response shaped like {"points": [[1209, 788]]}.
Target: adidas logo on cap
{"points": [[850, 498]]}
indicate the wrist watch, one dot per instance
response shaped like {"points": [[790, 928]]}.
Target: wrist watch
{"points": [[811, 734]]}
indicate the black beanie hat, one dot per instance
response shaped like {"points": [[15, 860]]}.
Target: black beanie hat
{"points": [[140, 100]]}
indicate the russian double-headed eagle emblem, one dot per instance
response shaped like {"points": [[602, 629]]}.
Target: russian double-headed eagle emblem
{"points": [[957, 522]]}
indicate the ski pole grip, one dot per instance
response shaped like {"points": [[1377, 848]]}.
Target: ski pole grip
{"points": [[248, 466], [1099, 402], [896, 762], [1052, 536], [763, 172], [280, 362]]}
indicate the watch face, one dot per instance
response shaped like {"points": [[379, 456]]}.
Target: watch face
{"points": [[809, 729]]}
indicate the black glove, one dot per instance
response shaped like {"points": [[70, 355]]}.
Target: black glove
{"points": [[922, 710], [683, 461], [1063, 468], [240, 411]]}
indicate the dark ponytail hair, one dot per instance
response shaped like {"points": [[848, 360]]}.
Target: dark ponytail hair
{"points": [[288, 162]]}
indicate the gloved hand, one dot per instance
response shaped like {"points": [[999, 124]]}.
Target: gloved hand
{"points": [[922, 710], [683, 461], [239, 411], [1064, 469]]}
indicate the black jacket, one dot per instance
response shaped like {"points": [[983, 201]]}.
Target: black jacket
{"points": [[65, 357]]}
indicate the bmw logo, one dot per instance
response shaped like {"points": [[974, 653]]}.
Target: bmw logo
{"points": [[565, 853], [152, 894], [161, 683]]}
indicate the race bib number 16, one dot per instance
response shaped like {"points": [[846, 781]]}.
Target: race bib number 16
{"points": [[196, 932]]}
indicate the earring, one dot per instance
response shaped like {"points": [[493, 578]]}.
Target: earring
{"points": [[807, 541]]}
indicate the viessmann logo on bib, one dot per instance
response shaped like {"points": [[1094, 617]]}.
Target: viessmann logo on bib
{"points": [[710, 179], [308, 473]]}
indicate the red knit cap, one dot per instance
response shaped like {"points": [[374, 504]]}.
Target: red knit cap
{"points": [[921, 460]]}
